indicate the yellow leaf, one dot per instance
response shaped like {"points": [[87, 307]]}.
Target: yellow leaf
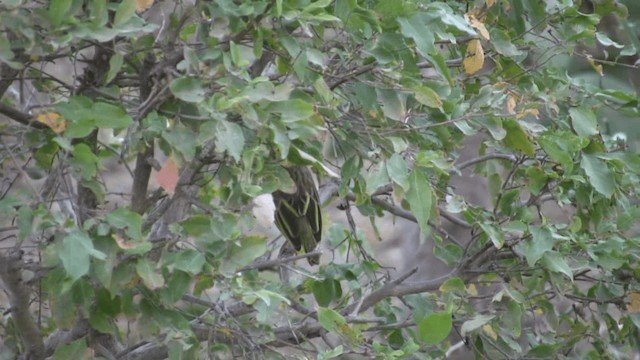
{"points": [[472, 290], [634, 304], [488, 329], [532, 112], [53, 120], [490, 3], [474, 60], [538, 311], [142, 5], [478, 25]]}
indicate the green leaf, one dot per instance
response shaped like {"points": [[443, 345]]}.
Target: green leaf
{"points": [[415, 28], [187, 260], [57, 11], [496, 237], [74, 350], [189, 89], [110, 116], [331, 320], [230, 138], [420, 198], [84, 161], [126, 9], [326, 291], [178, 285], [7, 55], [475, 323], [606, 40], [453, 285], [25, 222], [75, 253], [537, 179], [245, 252], [376, 178], [147, 271], [236, 55], [398, 171], [533, 249], [561, 147], [434, 328], [502, 43], [101, 322], [517, 139], [599, 174], [282, 141], [115, 64], [331, 354], [182, 140], [556, 262], [446, 15], [584, 121], [319, 4], [393, 104], [125, 219], [427, 96], [292, 110]]}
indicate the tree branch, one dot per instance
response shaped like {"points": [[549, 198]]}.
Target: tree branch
{"points": [[19, 298], [19, 116]]}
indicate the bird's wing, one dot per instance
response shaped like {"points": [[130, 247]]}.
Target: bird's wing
{"points": [[287, 220]]}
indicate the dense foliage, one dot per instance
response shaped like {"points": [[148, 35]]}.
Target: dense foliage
{"points": [[378, 97]]}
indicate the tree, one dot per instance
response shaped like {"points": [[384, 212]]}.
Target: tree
{"points": [[378, 98]]}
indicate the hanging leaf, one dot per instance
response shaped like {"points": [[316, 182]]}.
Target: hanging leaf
{"points": [[168, 176], [474, 59], [599, 174], [420, 198]]}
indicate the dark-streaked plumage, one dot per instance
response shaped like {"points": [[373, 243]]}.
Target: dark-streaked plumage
{"points": [[298, 214]]}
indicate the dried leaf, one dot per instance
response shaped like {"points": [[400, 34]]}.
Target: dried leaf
{"points": [[488, 329], [53, 120], [472, 290], [597, 67], [123, 243], [142, 5], [511, 105], [533, 112], [474, 60], [168, 176], [478, 25], [634, 304]]}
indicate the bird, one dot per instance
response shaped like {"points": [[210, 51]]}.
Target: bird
{"points": [[297, 214]]}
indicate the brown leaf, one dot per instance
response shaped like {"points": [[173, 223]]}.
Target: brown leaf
{"points": [[123, 243], [168, 176], [634, 304]]}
